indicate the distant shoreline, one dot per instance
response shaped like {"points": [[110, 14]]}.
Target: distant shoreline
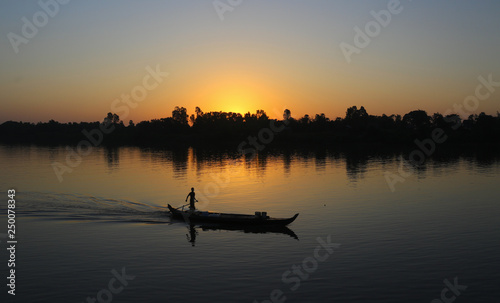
{"points": [[251, 133], [333, 140]]}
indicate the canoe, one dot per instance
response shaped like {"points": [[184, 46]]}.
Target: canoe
{"points": [[223, 218]]}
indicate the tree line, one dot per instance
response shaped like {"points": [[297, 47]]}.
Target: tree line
{"points": [[356, 128]]}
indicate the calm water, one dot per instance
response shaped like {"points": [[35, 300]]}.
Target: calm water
{"points": [[108, 213]]}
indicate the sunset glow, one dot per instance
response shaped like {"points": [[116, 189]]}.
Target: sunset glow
{"points": [[263, 55]]}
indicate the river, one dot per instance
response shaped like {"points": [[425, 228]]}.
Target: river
{"points": [[96, 227]]}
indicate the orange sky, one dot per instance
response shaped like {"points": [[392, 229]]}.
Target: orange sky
{"points": [[263, 55]]}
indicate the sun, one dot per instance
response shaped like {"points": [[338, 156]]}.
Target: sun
{"points": [[236, 103], [237, 95], [237, 109]]}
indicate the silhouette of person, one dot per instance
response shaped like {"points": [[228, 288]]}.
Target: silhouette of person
{"points": [[192, 199], [192, 235]]}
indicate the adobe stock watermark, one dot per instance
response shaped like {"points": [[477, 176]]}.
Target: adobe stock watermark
{"points": [[115, 286], [212, 188], [30, 28], [223, 6], [454, 288], [372, 29], [122, 105], [264, 137], [427, 147], [250, 146], [298, 273], [253, 145]]}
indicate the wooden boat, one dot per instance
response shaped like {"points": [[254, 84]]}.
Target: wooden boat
{"points": [[221, 218]]}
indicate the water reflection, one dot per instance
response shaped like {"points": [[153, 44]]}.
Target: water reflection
{"points": [[180, 159], [112, 155], [191, 237], [355, 162], [287, 161], [320, 160], [262, 164], [355, 166], [194, 228]]}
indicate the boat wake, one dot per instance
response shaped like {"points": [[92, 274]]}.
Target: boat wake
{"points": [[84, 208], [72, 207]]}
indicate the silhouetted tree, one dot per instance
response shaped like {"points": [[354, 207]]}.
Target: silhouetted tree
{"points": [[398, 119], [437, 120], [111, 118], [362, 112], [454, 121], [261, 115], [108, 119], [321, 118], [353, 113], [249, 117], [287, 115], [180, 115], [305, 120], [357, 127], [417, 119], [485, 122], [198, 112]]}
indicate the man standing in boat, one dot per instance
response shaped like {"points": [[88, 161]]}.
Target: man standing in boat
{"points": [[192, 199]]}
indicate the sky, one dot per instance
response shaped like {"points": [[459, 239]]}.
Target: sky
{"points": [[76, 61]]}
